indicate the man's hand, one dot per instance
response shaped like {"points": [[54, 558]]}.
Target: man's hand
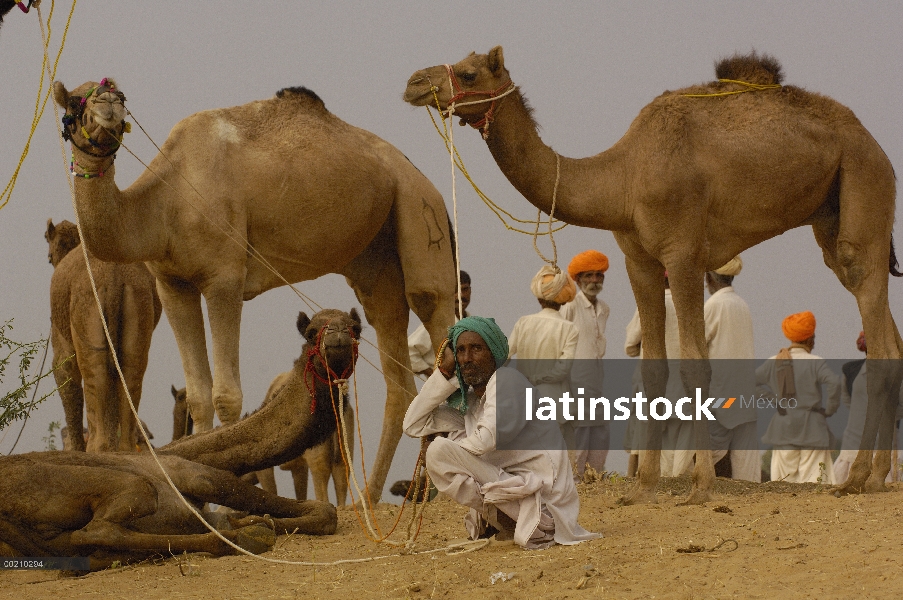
{"points": [[447, 366]]}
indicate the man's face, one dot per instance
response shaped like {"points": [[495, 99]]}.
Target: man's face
{"points": [[465, 298], [590, 282], [475, 359]]}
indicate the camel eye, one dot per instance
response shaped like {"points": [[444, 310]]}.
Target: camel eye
{"points": [[469, 77]]}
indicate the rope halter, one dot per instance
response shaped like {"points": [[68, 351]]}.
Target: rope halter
{"points": [[74, 123], [459, 93], [318, 350]]}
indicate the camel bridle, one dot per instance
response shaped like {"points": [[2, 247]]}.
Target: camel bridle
{"points": [[317, 350], [74, 125], [492, 96]]}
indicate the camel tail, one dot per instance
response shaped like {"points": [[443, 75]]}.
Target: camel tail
{"points": [[894, 265]]}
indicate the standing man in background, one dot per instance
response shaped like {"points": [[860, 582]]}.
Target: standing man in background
{"points": [[589, 313], [729, 336]]}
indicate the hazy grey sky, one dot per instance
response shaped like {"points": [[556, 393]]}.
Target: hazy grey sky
{"points": [[587, 68]]}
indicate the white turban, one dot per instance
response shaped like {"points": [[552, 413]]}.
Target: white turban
{"points": [[553, 285], [732, 268]]}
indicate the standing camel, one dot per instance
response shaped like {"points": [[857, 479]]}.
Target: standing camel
{"points": [[83, 365], [120, 507], [245, 199], [693, 183]]}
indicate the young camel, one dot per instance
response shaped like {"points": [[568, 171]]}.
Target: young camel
{"points": [[288, 192], [693, 183], [119, 507], [80, 351], [323, 461]]}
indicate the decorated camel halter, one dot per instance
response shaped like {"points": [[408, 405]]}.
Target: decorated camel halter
{"points": [[493, 96], [317, 350], [75, 120]]}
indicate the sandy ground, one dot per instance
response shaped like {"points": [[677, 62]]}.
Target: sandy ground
{"points": [[782, 540]]}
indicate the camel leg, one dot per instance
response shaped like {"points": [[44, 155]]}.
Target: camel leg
{"points": [[224, 304], [299, 478], [339, 469], [319, 461], [137, 327], [386, 309], [686, 277], [859, 259], [69, 382], [648, 283], [95, 364], [182, 304], [208, 484], [267, 480]]}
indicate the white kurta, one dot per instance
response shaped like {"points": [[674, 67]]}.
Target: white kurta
{"points": [[544, 344], [420, 349], [729, 337], [801, 438], [529, 480], [590, 320]]}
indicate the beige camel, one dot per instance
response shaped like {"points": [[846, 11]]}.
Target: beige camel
{"points": [[695, 181], [119, 507], [132, 309], [282, 179]]}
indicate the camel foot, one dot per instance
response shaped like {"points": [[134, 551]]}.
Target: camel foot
{"points": [[256, 539], [850, 486], [638, 496], [874, 485], [697, 497]]}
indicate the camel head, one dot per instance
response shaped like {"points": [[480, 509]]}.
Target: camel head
{"points": [[472, 85], [61, 238], [95, 116], [332, 338]]}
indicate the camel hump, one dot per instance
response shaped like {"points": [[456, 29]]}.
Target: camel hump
{"points": [[301, 94], [752, 68]]}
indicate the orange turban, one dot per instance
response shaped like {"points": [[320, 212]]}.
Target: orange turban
{"points": [[591, 260], [553, 285], [799, 327], [860, 341]]}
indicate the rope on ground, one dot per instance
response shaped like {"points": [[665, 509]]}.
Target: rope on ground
{"points": [[39, 104]]}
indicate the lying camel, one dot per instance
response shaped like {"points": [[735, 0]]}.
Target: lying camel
{"points": [[323, 461], [118, 507], [132, 308]]}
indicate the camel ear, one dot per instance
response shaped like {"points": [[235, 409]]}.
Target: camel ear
{"points": [[302, 323], [496, 60], [175, 393], [354, 316], [60, 94], [51, 230]]}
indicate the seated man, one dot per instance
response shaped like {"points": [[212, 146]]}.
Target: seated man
{"points": [[529, 491]]}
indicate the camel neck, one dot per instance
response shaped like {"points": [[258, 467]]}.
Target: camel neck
{"points": [[118, 226], [591, 191]]}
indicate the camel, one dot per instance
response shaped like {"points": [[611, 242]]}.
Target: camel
{"points": [[245, 199], [132, 310], [119, 507], [693, 183], [323, 460], [8, 5]]}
